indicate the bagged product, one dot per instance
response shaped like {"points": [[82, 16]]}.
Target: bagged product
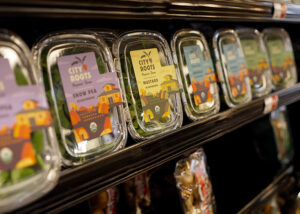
{"points": [[105, 202], [282, 135], [194, 184]]}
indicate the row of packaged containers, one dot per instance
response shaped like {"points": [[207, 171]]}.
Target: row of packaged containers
{"points": [[69, 100]]}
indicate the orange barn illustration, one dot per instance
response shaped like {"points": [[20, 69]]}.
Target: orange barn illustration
{"points": [[169, 84], [33, 116], [110, 95]]}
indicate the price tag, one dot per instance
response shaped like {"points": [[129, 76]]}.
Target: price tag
{"points": [[279, 11], [271, 103]]}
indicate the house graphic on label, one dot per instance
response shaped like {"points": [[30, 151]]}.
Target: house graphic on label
{"points": [[93, 121], [170, 84], [111, 95], [33, 116], [17, 150]]}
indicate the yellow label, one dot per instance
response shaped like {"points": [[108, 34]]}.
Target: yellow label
{"points": [[151, 77], [155, 82]]}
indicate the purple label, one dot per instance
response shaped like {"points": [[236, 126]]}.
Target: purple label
{"points": [[23, 110], [90, 95]]}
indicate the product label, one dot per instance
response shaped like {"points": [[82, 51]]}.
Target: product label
{"points": [[155, 83], [282, 60], [237, 69], [271, 103], [201, 74], [23, 110], [256, 62], [141, 186], [111, 206], [90, 95], [279, 10]]}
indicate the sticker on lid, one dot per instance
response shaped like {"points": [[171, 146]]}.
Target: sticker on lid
{"points": [[237, 69], [282, 60], [23, 111], [90, 96], [256, 62], [155, 83], [279, 10], [271, 103], [201, 74]]}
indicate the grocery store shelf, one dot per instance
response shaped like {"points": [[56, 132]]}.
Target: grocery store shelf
{"points": [[233, 10], [283, 180], [80, 183]]}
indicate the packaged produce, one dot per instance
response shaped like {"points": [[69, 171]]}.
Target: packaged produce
{"points": [[109, 36], [269, 207], [281, 55], [231, 68], [138, 194], [194, 184], [282, 135], [83, 91], [105, 202], [150, 82], [200, 94], [257, 60], [29, 156]]}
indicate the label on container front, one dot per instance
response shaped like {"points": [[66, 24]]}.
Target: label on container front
{"points": [[281, 59], [90, 95], [256, 62], [237, 69], [201, 74], [155, 83], [23, 111]]}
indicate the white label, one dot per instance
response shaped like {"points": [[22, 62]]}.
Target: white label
{"points": [[279, 11], [271, 103]]}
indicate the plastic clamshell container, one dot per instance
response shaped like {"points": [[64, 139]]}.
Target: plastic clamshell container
{"points": [[109, 36], [150, 82], [257, 60], [280, 125], [231, 68], [193, 184], [29, 156], [192, 57], [84, 94], [280, 50]]}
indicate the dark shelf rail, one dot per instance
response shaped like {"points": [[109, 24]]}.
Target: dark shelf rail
{"points": [[133, 9], [80, 183], [282, 180]]}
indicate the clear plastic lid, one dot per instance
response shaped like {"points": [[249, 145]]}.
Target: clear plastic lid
{"points": [[109, 36], [231, 68], [150, 83], [281, 55], [192, 57], [193, 183], [279, 122], [257, 60], [83, 90], [29, 156]]}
